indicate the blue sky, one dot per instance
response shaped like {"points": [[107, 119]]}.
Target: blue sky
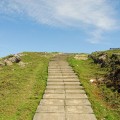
{"points": [[55, 25]]}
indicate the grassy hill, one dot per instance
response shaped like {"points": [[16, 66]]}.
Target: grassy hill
{"points": [[22, 87], [22, 84]]}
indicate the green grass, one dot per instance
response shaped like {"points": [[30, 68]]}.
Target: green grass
{"points": [[87, 70], [21, 88]]}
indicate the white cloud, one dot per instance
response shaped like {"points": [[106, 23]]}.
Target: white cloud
{"points": [[96, 36], [97, 15]]}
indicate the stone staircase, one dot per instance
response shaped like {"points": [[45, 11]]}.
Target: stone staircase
{"points": [[64, 97]]}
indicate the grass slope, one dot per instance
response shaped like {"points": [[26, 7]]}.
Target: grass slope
{"points": [[86, 70], [22, 88]]}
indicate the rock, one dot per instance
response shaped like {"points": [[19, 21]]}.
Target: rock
{"points": [[103, 57], [100, 58], [21, 64], [101, 79], [97, 81], [93, 81], [7, 62], [14, 59]]}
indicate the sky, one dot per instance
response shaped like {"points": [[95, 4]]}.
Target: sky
{"points": [[69, 26]]}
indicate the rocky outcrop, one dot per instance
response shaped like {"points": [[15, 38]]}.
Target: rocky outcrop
{"points": [[114, 74], [112, 62], [100, 58], [11, 59]]}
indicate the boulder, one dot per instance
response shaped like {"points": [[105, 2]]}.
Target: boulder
{"points": [[103, 57], [7, 62], [15, 59], [100, 58]]}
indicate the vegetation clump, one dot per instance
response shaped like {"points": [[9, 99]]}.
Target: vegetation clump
{"points": [[111, 61]]}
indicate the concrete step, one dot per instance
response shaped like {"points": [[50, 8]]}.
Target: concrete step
{"points": [[62, 77], [61, 74], [75, 91], [72, 83], [79, 109], [61, 67], [59, 71], [55, 87], [61, 91], [49, 116], [55, 80], [68, 109], [55, 83], [63, 70], [72, 116], [56, 91], [63, 96], [62, 80], [64, 87], [67, 102], [75, 96], [50, 109], [63, 83], [71, 80], [53, 102], [54, 96], [77, 102]]}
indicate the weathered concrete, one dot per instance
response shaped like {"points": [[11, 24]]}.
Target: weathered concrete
{"points": [[79, 109], [75, 91], [77, 102], [49, 116], [64, 97], [56, 91], [54, 102], [51, 109], [56, 96], [72, 96], [80, 117]]}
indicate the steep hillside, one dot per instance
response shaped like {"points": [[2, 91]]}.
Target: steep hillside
{"points": [[22, 84]]}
